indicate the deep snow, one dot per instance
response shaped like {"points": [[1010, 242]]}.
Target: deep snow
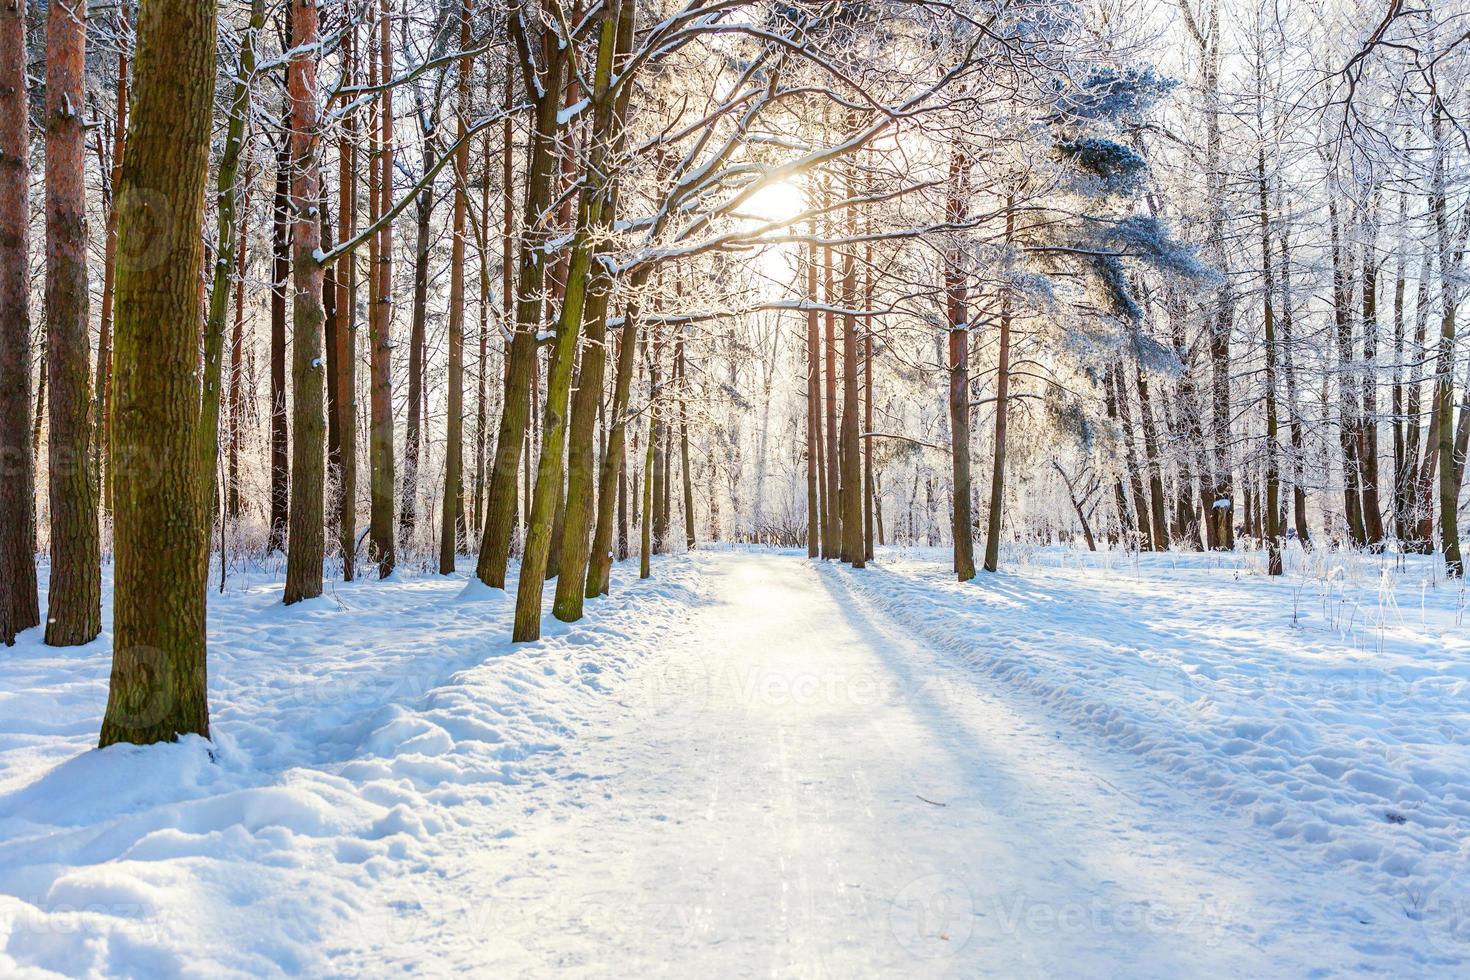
{"points": [[1092, 765]]}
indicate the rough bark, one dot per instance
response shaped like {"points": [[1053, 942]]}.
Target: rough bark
{"points": [[342, 354], [306, 549], [592, 212], [1002, 418], [382, 542], [74, 598], [452, 518], [280, 274], [19, 608], [157, 689], [957, 321]]}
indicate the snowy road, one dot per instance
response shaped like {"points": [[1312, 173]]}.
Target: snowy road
{"points": [[756, 765], [797, 788]]}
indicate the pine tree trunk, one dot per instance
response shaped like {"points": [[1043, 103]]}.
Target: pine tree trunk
{"points": [[816, 515], [853, 549], [413, 430], [1002, 417], [102, 388], [382, 541], [958, 323], [685, 474], [1443, 430], [870, 524], [74, 599], [342, 354], [452, 515], [832, 538], [280, 274], [1348, 421], [1368, 424], [157, 689], [1268, 313], [307, 545], [19, 608]]}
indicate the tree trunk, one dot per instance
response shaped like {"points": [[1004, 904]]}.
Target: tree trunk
{"points": [[684, 475], [1298, 438], [1368, 424], [870, 523], [1268, 313], [342, 354], [958, 329], [592, 213], [307, 545], [381, 539], [815, 515], [452, 516], [19, 607], [500, 517], [599, 567], [74, 599], [1444, 383], [832, 539], [227, 242], [853, 549], [102, 389], [1002, 414], [413, 430], [280, 273], [157, 689]]}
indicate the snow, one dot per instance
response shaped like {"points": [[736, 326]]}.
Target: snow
{"points": [[1091, 765]]}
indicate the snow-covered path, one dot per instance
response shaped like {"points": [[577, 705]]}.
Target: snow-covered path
{"points": [[797, 788], [758, 765]]}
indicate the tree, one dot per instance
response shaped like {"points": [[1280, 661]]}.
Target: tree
{"points": [[307, 542], [19, 609], [74, 600], [157, 688], [451, 530]]}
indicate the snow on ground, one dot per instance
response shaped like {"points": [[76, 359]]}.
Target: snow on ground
{"points": [[350, 733], [1092, 765]]}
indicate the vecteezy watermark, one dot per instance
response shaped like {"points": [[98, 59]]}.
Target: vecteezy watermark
{"points": [[933, 917], [1442, 914]]}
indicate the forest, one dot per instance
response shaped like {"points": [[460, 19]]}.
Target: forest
{"points": [[338, 326]]}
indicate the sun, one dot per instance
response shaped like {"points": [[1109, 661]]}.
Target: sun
{"points": [[780, 201]]}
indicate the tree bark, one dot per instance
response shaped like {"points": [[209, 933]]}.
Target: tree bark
{"points": [[592, 213], [342, 354], [452, 516], [307, 545], [1444, 383], [1002, 417], [958, 330], [19, 607], [1268, 313], [102, 389], [74, 599], [381, 539], [157, 690], [280, 274]]}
